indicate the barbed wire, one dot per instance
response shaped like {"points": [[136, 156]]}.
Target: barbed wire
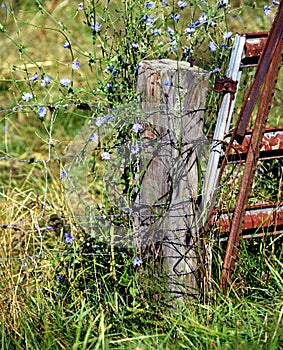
{"points": [[35, 224], [84, 106]]}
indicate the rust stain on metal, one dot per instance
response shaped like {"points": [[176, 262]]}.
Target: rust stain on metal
{"points": [[255, 35], [265, 77], [272, 142], [256, 216], [272, 44], [225, 85], [255, 43], [271, 146]]}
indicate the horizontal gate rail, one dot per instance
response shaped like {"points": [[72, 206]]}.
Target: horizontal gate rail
{"points": [[253, 49], [266, 216], [271, 146]]}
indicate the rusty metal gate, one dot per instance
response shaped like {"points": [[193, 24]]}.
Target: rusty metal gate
{"points": [[265, 51]]}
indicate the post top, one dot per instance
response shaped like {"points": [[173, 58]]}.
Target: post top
{"points": [[168, 64]]}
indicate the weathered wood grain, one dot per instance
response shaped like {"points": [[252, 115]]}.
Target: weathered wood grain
{"points": [[173, 95]]}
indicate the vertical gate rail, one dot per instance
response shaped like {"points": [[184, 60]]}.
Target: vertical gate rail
{"points": [[222, 126], [266, 77]]}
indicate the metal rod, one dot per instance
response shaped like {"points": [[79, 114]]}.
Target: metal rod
{"points": [[222, 127]]}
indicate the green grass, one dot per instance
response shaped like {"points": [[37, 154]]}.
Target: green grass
{"points": [[226, 323], [101, 300]]}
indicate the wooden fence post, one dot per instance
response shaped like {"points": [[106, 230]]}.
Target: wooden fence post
{"points": [[173, 98]]}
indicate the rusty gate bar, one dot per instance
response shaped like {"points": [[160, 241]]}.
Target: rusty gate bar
{"points": [[245, 53], [261, 216], [271, 146], [264, 63], [254, 46], [270, 79]]}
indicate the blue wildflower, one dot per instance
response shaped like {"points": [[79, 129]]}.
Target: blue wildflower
{"points": [[109, 118], [170, 31], [27, 96], [96, 27], [227, 35], [109, 68], [35, 77], [68, 238], [101, 120], [165, 3], [187, 53], [105, 156], [63, 175], [276, 3], [212, 46], [65, 81], [203, 18], [176, 17], [67, 45], [41, 112], [48, 228], [4, 128], [223, 3], [173, 45], [182, 4], [190, 29], [137, 127], [45, 81], [150, 4], [216, 70], [224, 46], [135, 149], [94, 137], [267, 10], [149, 20], [109, 86], [137, 261], [112, 70], [188, 49], [155, 31], [166, 83], [135, 45], [60, 278], [76, 65]]}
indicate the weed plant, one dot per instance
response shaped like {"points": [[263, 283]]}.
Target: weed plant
{"points": [[68, 65]]}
